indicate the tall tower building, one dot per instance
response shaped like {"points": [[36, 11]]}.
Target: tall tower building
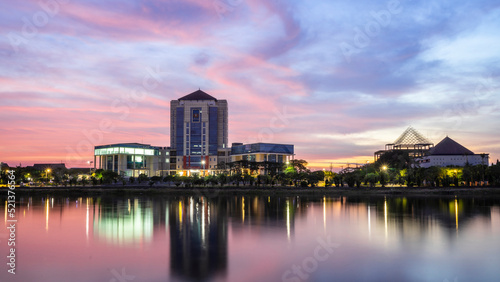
{"points": [[198, 130]]}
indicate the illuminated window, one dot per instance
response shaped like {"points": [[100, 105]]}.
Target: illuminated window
{"points": [[196, 115]]}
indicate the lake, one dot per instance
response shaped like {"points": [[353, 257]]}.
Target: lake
{"points": [[253, 238]]}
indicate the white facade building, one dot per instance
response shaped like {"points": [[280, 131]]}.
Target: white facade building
{"points": [[450, 153]]}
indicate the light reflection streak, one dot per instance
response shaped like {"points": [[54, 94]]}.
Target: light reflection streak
{"points": [[180, 212], [288, 219], [385, 217], [243, 209], [87, 220], [47, 215], [167, 217], [208, 209], [191, 209], [456, 214], [203, 223], [324, 213], [369, 224]]}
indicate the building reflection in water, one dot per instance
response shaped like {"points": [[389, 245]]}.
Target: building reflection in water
{"points": [[198, 226], [277, 213], [123, 222], [198, 237]]}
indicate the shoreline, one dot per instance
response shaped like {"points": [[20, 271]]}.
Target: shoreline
{"points": [[233, 190]]}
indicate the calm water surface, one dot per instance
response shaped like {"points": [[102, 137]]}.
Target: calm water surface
{"points": [[254, 238]]}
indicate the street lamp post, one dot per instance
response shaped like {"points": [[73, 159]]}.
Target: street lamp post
{"points": [[90, 168], [47, 173], [382, 176], [203, 163]]}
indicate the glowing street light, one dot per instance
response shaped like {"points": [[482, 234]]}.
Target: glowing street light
{"points": [[47, 173], [90, 164], [203, 163], [384, 167]]}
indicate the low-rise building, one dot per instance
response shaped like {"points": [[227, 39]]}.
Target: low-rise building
{"points": [[133, 159], [264, 157], [448, 152]]}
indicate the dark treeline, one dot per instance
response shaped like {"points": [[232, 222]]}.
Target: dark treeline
{"points": [[390, 169]]}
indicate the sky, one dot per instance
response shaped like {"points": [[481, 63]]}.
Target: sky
{"points": [[338, 79]]}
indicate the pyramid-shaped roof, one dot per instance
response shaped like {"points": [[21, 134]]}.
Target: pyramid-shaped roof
{"points": [[449, 146], [197, 95], [411, 137]]}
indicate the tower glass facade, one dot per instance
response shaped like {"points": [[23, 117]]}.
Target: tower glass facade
{"points": [[199, 123]]}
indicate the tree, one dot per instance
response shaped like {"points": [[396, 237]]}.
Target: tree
{"points": [[372, 178], [247, 178], [222, 179], [168, 179], [84, 180], [314, 177], [236, 178], [281, 178], [383, 178], [396, 159], [142, 178], [350, 179], [299, 165], [433, 175], [329, 176], [467, 175], [212, 180], [156, 178], [177, 180], [108, 176], [338, 179]]}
